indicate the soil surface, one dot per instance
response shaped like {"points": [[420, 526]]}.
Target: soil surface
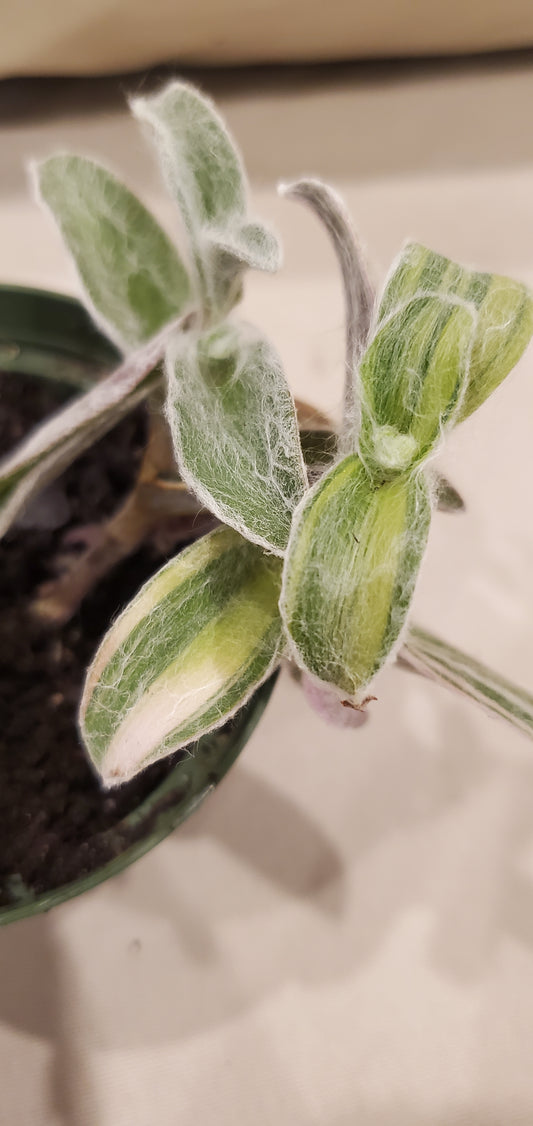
{"points": [[56, 824]]}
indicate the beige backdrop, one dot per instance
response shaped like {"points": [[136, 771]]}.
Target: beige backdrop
{"points": [[91, 36]]}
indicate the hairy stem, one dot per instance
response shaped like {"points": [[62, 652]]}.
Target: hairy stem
{"points": [[358, 291], [155, 505]]}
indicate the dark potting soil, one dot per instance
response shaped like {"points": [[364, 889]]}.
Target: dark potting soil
{"points": [[56, 824]]}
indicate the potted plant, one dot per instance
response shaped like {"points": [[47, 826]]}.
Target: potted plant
{"points": [[303, 545]]}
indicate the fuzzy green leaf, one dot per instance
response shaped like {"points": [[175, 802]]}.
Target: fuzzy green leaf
{"points": [[251, 245], [189, 650], [205, 174], [505, 313], [203, 168], [235, 432], [433, 657], [319, 449], [54, 445], [133, 276], [413, 377], [351, 566]]}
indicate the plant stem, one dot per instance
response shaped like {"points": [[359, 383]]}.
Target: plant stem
{"points": [[358, 291], [155, 505]]}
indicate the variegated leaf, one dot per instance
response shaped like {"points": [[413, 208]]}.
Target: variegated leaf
{"points": [[189, 650], [205, 174], [505, 313], [235, 431], [131, 272], [54, 445], [413, 377], [434, 658], [350, 570], [319, 449]]}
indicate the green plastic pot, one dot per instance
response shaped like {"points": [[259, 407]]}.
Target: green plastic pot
{"points": [[51, 336]]}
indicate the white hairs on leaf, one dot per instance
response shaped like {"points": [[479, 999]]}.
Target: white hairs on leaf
{"points": [[132, 275], [235, 431]]}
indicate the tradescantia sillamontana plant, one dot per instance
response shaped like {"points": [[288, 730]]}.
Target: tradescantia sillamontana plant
{"points": [[313, 541]]}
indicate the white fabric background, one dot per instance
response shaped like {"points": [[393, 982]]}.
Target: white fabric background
{"points": [[342, 936]]}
